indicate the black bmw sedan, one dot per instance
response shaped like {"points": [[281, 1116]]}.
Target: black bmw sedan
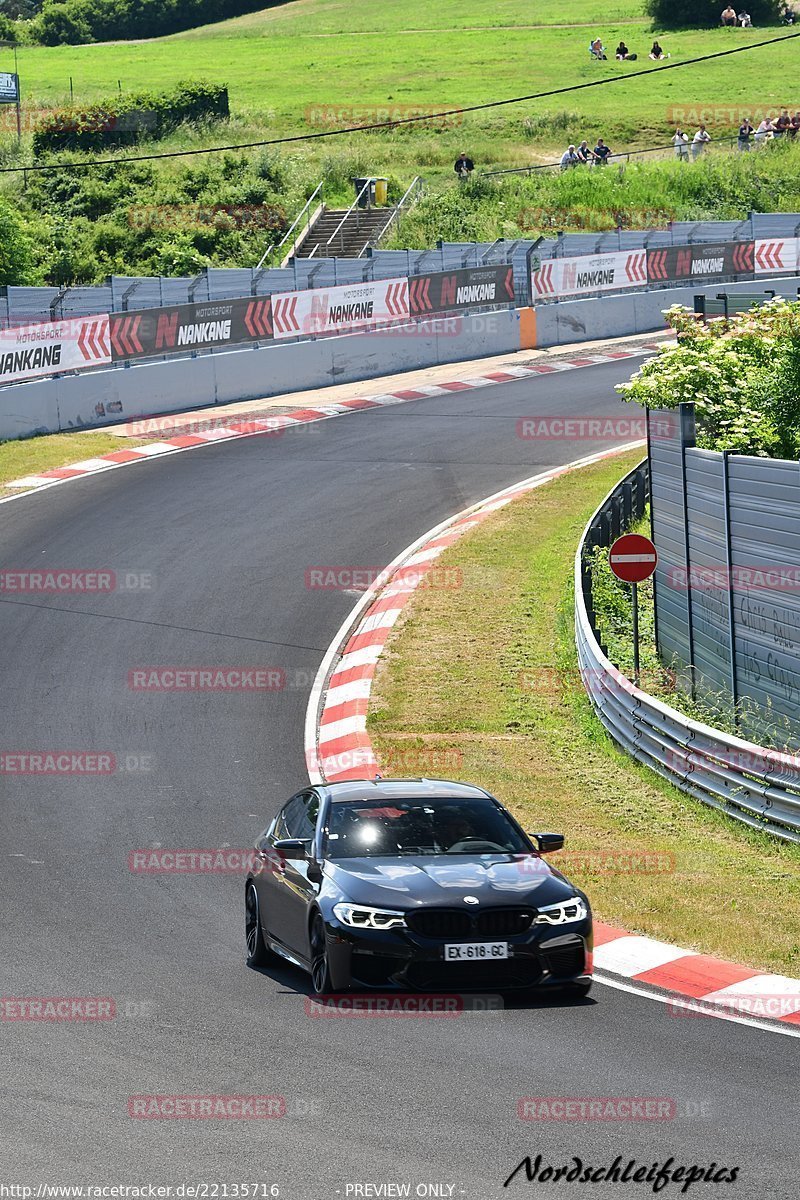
{"points": [[414, 884]]}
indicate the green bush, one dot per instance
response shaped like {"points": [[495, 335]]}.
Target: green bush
{"points": [[741, 373], [124, 120], [687, 14], [75, 21], [16, 258]]}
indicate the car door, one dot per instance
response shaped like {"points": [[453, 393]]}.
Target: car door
{"points": [[291, 890]]}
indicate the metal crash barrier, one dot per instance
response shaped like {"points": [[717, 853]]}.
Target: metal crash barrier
{"points": [[756, 785]]}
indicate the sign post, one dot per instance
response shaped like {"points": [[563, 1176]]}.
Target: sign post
{"points": [[9, 87], [633, 558]]}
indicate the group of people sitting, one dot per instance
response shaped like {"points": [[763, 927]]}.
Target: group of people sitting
{"points": [[622, 53], [729, 16], [768, 130], [583, 155]]}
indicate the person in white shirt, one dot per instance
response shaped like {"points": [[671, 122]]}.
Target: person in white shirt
{"points": [[569, 158], [681, 144], [765, 132], [699, 141]]}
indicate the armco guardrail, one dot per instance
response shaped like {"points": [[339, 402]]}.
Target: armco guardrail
{"points": [[755, 785]]}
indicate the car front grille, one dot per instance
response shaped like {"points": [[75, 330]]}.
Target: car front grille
{"points": [[440, 923], [494, 922], [474, 976], [443, 923]]}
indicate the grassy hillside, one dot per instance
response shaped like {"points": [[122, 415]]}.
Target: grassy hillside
{"points": [[285, 61], [311, 65]]}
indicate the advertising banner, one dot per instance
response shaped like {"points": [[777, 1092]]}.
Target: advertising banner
{"points": [[777, 254], [154, 331], [705, 260], [9, 88], [455, 291], [31, 351], [339, 309], [616, 271]]}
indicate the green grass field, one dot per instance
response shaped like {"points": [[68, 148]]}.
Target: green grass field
{"points": [[311, 65], [285, 63], [530, 736]]}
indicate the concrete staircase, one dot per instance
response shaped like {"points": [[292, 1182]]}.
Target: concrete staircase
{"points": [[362, 226]]}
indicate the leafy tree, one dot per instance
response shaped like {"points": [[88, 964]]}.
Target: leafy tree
{"points": [[60, 24], [15, 248], [688, 14]]}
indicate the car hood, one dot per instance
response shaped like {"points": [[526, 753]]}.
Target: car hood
{"points": [[405, 883]]}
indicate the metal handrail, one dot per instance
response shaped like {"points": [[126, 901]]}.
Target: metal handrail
{"points": [[367, 182], [270, 250], [395, 213], [756, 785], [627, 155]]}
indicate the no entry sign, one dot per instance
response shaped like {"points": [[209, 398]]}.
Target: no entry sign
{"points": [[633, 558]]}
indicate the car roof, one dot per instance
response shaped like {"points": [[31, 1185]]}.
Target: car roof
{"points": [[405, 789]]}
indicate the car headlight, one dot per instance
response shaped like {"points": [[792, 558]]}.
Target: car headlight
{"points": [[566, 911], [359, 916]]}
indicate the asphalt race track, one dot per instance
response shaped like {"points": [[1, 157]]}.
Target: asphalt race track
{"points": [[226, 534]]}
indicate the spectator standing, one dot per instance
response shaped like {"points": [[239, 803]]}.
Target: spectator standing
{"points": [[794, 125], [783, 124], [745, 133], [569, 158], [765, 133], [585, 155], [681, 144], [601, 152], [464, 166], [656, 52], [699, 141], [728, 16]]}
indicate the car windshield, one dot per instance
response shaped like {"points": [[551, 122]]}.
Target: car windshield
{"points": [[388, 828]]}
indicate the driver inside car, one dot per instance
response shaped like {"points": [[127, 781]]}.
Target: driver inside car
{"points": [[453, 827]]}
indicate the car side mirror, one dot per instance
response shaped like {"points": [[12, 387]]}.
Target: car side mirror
{"points": [[548, 842], [292, 847]]}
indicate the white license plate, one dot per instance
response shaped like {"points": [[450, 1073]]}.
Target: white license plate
{"points": [[471, 951]]}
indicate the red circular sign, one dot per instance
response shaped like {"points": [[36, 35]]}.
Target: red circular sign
{"points": [[633, 558]]}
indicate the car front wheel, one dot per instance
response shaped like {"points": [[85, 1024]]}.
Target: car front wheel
{"points": [[257, 953], [320, 967]]}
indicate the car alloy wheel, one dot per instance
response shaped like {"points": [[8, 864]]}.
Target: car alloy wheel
{"points": [[257, 953], [320, 971]]}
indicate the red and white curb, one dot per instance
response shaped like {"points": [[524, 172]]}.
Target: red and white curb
{"points": [[338, 747], [245, 427]]}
